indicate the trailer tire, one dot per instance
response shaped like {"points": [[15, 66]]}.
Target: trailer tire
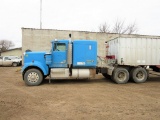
{"points": [[120, 75], [139, 75], [33, 77]]}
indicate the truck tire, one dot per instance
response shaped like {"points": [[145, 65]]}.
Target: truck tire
{"points": [[106, 75], [33, 77], [120, 75], [14, 64], [139, 75]]}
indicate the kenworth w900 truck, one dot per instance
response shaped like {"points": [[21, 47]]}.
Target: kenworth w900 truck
{"points": [[126, 58], [66, 60]]}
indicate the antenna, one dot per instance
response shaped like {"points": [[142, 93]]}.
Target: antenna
{"points": [[40, 14]]}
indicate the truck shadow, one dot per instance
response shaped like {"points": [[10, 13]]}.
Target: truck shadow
{"points": [[155, 74], [152, 79], [76, 81]]}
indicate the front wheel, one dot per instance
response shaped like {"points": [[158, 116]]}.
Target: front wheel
{"points": [[120, 75], [33, 77]]}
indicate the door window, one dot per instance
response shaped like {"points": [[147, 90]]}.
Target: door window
{"points": [[59, 47], [6, 58]]}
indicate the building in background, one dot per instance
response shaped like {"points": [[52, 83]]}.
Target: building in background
{"points": [[13, 52], [40, 39]]}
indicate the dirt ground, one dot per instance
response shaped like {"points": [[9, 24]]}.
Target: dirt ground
{"points": [[95, 99]]}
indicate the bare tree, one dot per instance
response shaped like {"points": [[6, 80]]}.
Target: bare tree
{"points": [[132, 28], [104, 28], [119, 27], [5, 45]]}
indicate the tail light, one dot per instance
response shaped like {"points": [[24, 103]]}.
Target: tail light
{"points": [[110, 57]]}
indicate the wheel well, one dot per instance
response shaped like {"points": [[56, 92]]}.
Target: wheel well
{"points": [[32, 67], [129, 68], [124, 66]]}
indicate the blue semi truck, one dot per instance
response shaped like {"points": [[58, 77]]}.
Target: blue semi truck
{"points": [[67, 59], [126, 58]]}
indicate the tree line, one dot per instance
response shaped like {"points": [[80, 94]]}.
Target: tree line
{"points": [[119, 27], [5, 45]]}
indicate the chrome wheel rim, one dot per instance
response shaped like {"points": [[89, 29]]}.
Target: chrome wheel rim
{"points": [[33, 77]]}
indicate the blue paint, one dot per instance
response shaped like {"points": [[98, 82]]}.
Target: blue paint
{"points": [[35, 59], [59, 54], [84, 53]]}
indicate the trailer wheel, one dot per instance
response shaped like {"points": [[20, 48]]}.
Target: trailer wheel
{"points": [[120, 75], [33, 77], [139, 75], [106, 75]]}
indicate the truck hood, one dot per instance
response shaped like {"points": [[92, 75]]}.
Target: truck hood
{"points": [[34, 56]]}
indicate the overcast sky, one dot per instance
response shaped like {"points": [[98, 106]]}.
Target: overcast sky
{"points": [[81, 15]]}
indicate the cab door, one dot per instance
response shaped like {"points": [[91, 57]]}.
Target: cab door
{"points": [[59, 55]]}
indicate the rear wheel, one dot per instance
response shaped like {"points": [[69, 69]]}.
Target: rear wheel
{"points": [[33, 77], [139, 75], [120, 75]]}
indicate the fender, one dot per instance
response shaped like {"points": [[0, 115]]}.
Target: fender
{"points": [[41, 66]]}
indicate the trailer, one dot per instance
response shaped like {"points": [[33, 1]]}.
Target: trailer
{"points": [[130, 58]]}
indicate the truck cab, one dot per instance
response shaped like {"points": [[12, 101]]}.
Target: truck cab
{"points": [[59, 54], [66, 60]]}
